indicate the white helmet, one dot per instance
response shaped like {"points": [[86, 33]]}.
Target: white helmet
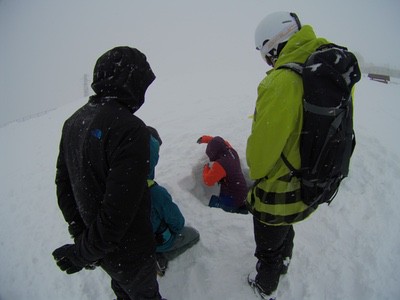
{"points": [[274, 30]]}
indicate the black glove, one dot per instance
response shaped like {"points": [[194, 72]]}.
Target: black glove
{"points": [[67, 259], [159, 239]]}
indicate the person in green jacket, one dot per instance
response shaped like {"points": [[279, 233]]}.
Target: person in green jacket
{"points": [[275, 198]]}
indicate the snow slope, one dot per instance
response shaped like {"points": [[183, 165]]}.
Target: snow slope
{"points": [[349, 250]]}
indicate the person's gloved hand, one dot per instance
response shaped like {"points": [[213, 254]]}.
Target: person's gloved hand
{"points": [[67, 259], [204, 139], [159, 239]]}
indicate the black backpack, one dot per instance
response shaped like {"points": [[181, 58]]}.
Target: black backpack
{"points": [[327, 139]]}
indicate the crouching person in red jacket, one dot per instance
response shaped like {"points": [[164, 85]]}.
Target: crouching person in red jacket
{"points": [[225, 170]]}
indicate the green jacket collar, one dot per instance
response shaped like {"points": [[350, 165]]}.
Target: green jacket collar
{"points": [[300, 46]]}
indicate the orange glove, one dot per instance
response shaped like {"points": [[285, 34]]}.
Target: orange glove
{"points": [[205, 139]]}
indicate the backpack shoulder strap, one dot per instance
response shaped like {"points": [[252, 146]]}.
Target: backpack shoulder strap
{"points": [[295, 67]]}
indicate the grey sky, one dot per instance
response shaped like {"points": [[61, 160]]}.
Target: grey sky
{"points": [[47, 46]]}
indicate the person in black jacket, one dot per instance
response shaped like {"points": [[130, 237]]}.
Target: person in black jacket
{"points": [[101, 179]]}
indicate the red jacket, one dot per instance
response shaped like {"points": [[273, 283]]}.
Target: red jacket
{"points": [[225, 169]]}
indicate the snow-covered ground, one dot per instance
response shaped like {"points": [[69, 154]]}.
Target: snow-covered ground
{"points": [[349, 250], [207, 75]]}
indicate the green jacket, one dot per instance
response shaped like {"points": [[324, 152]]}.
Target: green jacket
{"points": [[275, 197]]}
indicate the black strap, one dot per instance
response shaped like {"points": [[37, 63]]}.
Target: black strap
{"points": [[293, 66], [297, 68], [293, 171]]}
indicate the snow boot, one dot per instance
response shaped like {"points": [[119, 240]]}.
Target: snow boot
{"points": [[161, 264], [258, 290]]}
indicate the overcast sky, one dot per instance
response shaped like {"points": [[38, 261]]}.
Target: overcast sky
{"points": [[46, 46]]}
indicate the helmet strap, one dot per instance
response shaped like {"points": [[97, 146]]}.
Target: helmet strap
{"points": [[272, 56], [270, 60], [296, 19]]}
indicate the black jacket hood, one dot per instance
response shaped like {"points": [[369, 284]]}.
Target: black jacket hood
{"points": [[122, 73]]}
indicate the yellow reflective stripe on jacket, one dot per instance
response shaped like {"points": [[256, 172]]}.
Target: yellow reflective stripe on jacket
{"points": [[272, 217], [277, 208]]}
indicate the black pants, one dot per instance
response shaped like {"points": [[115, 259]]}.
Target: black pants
{"points": [[134, 277], [273, 245]]}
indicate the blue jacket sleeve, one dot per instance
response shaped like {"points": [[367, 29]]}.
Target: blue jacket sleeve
{"points": [[166, 209]]}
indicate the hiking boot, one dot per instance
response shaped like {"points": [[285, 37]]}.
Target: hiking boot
{"points": [[161, 264], [258, 290]]}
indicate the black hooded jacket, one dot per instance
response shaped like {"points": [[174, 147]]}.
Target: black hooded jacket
{"points": [[103, 162]]}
